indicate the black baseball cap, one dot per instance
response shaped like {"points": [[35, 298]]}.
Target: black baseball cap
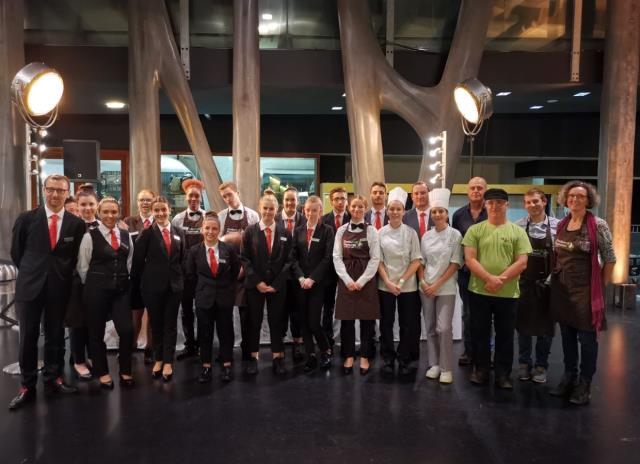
{"points": [[496, 194]]}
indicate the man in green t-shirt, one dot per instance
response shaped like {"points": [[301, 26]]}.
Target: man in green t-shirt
{"points": [[495, 252]]}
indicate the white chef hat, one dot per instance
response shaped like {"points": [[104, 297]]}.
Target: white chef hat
{"points": [[397, 194], [439, 198]]}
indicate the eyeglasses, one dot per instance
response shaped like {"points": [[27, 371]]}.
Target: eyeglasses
{"points": [[576, 196], [145, 200], [51, 190]]}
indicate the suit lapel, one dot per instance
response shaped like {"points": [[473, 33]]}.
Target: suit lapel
{"points": [[158, 234], [63, 228]]}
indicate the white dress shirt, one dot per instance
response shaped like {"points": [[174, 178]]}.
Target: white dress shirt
{"points": [[86, 250], [374, 255]]}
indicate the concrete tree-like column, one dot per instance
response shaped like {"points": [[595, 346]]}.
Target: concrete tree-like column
{"points": [[154, 61], [13, 162], [618, 125], [371, 85], [246, 100]]}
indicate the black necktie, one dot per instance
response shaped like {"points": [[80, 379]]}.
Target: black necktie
{"points": [[357, 226]]}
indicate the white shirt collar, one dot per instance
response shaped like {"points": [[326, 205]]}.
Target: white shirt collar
{"points": [[150, 219], [374, 211], [240, 207], [51, 213], [263, 226], [168, 227], [106, 231], [214, 247], [285, 217]]}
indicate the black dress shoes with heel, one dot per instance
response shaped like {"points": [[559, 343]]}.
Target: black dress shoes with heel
{"points": [[226, 374], [205, 376], [58, 387], [25, 396], [127, 383]]}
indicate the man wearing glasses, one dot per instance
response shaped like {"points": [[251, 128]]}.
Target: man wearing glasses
{"points": [[496, 253], [44, 247]]}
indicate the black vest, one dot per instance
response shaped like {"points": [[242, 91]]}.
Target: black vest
{"points": [[108, 267]]}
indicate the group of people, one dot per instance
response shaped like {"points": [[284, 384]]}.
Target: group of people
{"points": [[81, 265]]}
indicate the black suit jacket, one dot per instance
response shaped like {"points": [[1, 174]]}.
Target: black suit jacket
{"points": [[314, 261], [153, 270], [37, 263], [209, 289], [367, 217], [258, 265], [330, 220], [298, 220], [410, 218]]}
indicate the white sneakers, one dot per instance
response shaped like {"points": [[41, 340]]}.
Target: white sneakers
{"points": [[434, 372]]}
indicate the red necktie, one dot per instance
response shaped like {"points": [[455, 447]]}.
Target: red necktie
{"points": [[309, 235], [423, 225], [53, 231], [267, 232], [212, 262], [290, 225], [167, 240], [114, 240], [147, 223], [378, 220], [337, 222]]}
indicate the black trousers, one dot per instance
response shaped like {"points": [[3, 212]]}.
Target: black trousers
{"points": [[310, 304], [188, 318], [103, 305], [79, 344], [328, 307], [292, 314], [30, 313], [348, 338], [220, 318], [255, 310], [244, 332], [587, 354], [503, 311], [408, 320], [163, 315]]}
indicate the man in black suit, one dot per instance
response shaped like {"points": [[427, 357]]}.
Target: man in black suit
{"points": [[44, 247], [335, 219], [418, 217], [290, 218], [377, 215]]}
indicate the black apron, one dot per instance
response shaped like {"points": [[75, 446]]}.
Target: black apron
{"points": [[571, 279], [534, 317], [363, 304]]}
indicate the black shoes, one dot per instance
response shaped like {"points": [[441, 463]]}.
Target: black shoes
{"points": [[565, 387], [296, 350], [251, 367], [325, 361], [464, 360], [127, 383], [58, 387], [226, 374], [107, 385], [347, 370], [479, 376], [156, 374], [205, 376], [166, 378], [365, 371], [148, 357], [189, 352], [389, 367], [581, 394], [404, 370], [311, 364], [278, 366], [504, 382], [25, 396]]}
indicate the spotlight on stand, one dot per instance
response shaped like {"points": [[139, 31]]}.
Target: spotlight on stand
{"points": [[474, 102], [36, 91], [440, 150]]}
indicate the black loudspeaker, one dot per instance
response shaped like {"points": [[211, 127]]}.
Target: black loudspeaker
{"points": [[81, 160]]}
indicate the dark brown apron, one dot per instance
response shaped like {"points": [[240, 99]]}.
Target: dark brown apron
{"points": [[571, 279], [363, 304], [534, 317], [237, 225], [191, 228]]}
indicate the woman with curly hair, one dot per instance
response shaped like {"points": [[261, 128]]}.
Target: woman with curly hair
{"points": [[584, 260]]}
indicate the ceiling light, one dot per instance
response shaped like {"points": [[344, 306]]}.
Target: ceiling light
{"points": [[115, 105], [536, 107], [503, 94], [344, 95], [267, 16], [552, 101], [581, 94], [336, 108]]}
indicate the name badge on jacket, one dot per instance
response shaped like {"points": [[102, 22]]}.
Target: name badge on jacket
{"points": [[176, 237], [67, 239], [222, 261], [283, 239]]}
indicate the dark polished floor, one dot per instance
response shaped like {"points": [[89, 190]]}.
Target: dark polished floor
{"points": [[330, 418]]}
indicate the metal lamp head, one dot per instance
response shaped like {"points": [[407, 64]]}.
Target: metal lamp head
{"points": [[474, 100], [37, 89]]}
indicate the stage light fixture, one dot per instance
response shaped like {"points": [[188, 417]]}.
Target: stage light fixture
{"points": [[36, 90]]}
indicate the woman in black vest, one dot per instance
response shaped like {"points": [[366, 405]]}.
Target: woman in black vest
{"points": [[214, 267], [157, 271], [104, 262]]}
